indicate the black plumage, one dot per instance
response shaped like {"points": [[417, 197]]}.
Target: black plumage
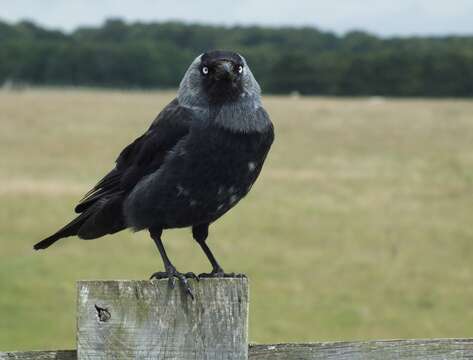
{"points": [[199, 157]]}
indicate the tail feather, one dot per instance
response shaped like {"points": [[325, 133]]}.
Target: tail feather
{"points": [[103, 217], [69, 230], [43, 244]]}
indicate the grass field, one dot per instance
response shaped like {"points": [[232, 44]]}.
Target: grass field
{"points": [[359, 227]]}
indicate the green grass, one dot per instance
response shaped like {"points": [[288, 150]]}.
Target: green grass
{"points": [[359, 227]]}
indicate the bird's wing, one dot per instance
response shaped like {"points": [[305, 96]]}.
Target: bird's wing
{"points": [[143, 156]]}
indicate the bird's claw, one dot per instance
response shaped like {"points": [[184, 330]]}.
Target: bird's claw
{"points": [[219, 273], [172, 274], [191, 275]]}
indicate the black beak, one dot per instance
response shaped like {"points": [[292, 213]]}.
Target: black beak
{"points": [[224, 70]]}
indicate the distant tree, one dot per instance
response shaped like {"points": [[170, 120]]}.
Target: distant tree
{"points": [[286, 59]]}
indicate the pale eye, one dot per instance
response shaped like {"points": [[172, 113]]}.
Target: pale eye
{"points": [[205, 70], [240, 69]]}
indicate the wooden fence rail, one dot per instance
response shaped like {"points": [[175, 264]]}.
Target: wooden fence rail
{"points": [[434, 349], [147, 320]]}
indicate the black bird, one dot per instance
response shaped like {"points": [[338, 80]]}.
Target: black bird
{"points": [[200, 156]]}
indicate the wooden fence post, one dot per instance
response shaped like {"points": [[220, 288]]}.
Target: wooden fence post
{"points": [[147, 320]]}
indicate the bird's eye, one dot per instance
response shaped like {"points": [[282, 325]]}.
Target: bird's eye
{"points": [[240, 69], [205, 70]]}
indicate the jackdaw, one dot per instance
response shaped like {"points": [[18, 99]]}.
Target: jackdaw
{"points": [[198, 159]]}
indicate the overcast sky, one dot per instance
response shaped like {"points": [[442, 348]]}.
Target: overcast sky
{"points": [[382, 17]]}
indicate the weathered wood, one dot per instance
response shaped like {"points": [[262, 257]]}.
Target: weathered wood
{"points": [[147, 320], [39, 355], [435, 349]]}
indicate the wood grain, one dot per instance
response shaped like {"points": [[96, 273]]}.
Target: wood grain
{"points": [[434, 349], [39, 355], [147, 320]]}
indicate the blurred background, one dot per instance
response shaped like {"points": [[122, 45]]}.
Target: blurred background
{"points": [[359, 226]]}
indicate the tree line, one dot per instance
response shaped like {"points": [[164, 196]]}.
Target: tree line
{"points": [[284, 60]]}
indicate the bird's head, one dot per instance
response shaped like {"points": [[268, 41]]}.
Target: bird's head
{"points": [[218, 77]]}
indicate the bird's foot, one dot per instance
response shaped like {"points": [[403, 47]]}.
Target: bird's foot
{"points": [[172, 274], [219, 273]]}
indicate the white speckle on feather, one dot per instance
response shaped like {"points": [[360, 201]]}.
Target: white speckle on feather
{"points": [[233, 199], [231, 189], [193, 202], [251, 166], [220, 207], [181, 190], [221, 189]]}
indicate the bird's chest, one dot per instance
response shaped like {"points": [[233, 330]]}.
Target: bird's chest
{"points": [[224, 166], [216, 170]]}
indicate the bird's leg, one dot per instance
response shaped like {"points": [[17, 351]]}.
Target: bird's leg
{"points": [[217, 270], [171, 273], [200, 233]]}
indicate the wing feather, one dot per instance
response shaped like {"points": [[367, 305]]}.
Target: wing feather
{"points": [[142, 157]]}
